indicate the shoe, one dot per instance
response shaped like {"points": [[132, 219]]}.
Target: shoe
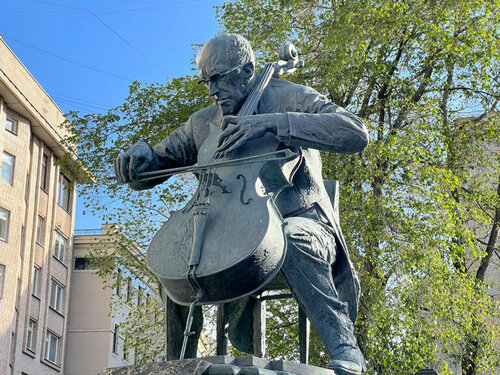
{"points": [[345, 367], [349, 362]]}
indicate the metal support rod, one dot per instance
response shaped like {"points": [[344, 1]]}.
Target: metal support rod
{"points": [[304, 336], [187, 330], [276, 296]]}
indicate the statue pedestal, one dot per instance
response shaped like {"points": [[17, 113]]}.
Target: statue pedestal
{"points": [[220, 365]]}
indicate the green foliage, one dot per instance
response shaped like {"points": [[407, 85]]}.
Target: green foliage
{"points": [[143, 328], [419, 205], [282, 320], [149, 113]]}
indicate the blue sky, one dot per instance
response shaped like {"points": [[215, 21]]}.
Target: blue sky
{"points": [[86, 53]]}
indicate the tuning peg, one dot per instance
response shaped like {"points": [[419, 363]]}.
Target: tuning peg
{"points": [[288, 52]]}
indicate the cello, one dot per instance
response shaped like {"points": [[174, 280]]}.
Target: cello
{"points": [[228, 241]]}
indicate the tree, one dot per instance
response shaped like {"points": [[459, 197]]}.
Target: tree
{"points": [[419, 207], [414, 208]]}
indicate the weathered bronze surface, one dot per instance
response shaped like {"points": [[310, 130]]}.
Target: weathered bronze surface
{"points": [[313, 259]]}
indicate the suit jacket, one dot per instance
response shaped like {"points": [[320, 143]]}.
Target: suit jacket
{"points": [[307, 122]]}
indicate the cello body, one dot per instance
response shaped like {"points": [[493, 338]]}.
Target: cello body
{"points": [[238, 232], [228, 242]]}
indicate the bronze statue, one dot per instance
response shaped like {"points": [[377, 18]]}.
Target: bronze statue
{"points": [[289, 123]]}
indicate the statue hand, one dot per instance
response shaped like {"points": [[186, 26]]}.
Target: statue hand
{"points": [[239, 129], [138, 158]]}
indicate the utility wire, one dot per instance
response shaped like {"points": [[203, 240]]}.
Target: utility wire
{"points": [[80, 107], [109, 28], [68, 60], [72, 102], [52, 93], [178, 5]]}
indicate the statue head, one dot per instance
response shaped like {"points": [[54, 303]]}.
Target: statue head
{"points": [[226, 64]]}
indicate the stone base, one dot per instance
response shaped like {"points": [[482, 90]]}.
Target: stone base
{"points": [[220, 365]]}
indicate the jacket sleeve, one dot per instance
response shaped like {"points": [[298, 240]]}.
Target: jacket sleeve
{"points": [[311, 120], [178, 149]]}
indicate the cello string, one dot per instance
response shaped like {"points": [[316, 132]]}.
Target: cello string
{"points": [[203, 186], [248, 108]]}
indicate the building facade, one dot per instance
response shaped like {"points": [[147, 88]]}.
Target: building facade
{"points": [[37, 202], [94, 341], [99, 307]]}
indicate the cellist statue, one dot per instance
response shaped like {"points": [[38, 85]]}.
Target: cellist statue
{"points": [[316, 267]]}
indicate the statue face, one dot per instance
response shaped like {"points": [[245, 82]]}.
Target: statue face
{"points": [[226, 64], [229, 90]]}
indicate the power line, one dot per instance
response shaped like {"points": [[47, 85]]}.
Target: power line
{"points": [[109, 28], [72, 102], [145, 6], [68, 60], [52, 93], [81, 107]]}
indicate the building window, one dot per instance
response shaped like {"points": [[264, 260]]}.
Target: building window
{"points": [[63, 192], [139, 296], [39, 230], [125, 351], [56, 296], [59, 246], [52, 348], [2, 274], [31, 336], [11, 125], [43, 172], [129, 289], [8, 162], [82, 264], [118, 289], [36, 281], [115, 339], [4, 224]]}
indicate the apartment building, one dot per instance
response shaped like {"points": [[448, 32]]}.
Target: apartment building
{"points": [[95, 340], [37, 201]]}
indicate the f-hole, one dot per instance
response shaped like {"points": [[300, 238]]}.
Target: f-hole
{"points": [[243, 188]]}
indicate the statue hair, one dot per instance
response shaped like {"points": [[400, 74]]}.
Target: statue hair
{"points": [[238, 50]]}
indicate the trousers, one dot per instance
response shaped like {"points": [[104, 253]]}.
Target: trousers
{"points": [[307, 269]]}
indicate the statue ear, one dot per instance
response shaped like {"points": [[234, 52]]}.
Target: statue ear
{"points": [[247, 71]]}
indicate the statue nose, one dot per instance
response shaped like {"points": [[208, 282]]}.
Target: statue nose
{"points": [[213, 89]]}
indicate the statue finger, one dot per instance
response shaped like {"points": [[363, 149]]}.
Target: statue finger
{"points": [[235, 138], [225, 134], [123, 168], [228, 120], [134, 165], [116, 170], [240, 142], [231, 140]]}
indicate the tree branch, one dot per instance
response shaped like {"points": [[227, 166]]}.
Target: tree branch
{"points": [[398, 123], [490, 247], [350, 93]]}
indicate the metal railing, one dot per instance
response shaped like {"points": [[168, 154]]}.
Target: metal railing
{"points": [[88, 232]]}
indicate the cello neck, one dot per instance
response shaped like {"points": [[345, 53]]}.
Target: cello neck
{"points": [[252, 100], [288, 63]]}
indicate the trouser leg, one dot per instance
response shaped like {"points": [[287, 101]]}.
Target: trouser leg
{"points": [[307, 270]]}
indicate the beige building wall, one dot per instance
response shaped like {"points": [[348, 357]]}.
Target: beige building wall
{"points": [[91, 329], [36, 222]]}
